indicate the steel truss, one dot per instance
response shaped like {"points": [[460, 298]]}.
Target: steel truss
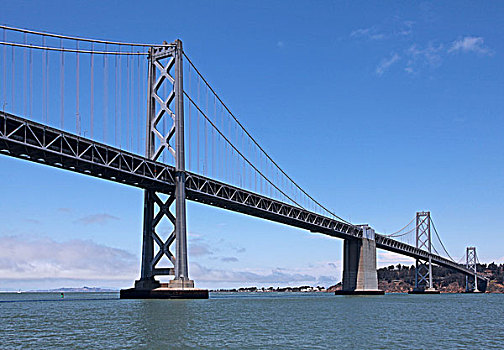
{"points": [[25, 139]]}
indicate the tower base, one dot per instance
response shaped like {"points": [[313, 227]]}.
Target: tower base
{"points": [[359, 292], [424, 291], [175, 289]]}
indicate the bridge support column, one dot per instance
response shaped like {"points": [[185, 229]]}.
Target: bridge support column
{"points": [[423, 269], [471, 263], [359, 265], [160, 107]]}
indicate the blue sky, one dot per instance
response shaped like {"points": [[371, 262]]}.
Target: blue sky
{"points": [[378, 109]]}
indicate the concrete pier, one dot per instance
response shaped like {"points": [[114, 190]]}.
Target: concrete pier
{"points": [[175, 289], [359, 266], [424, 291]]}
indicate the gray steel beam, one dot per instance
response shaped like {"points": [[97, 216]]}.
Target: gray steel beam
{"points": [[181, 269]]}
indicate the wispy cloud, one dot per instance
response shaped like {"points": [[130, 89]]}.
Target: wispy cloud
{"points": [[470, 44], [320, 273], [393, 29], [205, 274], [199, 248], [386, 63], [38, 258], [388, 258], [101, 219], [369, 33], [280, 44], [417, 57], [229, 259]]}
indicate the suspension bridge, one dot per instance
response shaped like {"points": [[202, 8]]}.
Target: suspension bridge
{"points": [[143, 115]]}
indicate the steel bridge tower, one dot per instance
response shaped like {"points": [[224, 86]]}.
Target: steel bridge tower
{"points": [[162, 61], [471, 264], [423, 270]]}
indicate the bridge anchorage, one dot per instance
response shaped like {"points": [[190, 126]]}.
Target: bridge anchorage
{"points": [[229, 170]]}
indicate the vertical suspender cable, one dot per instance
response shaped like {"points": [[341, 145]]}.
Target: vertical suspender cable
{"points": [[25, 78], [91, 111], [237, 166], [105, 95], [131, 99], [116, 93], [165, 83], [128, 102], [144, 97], [189, 126], [4, 102], [138, 104], [46, 111], [205, 127], [77, 92], [213, 139], [31, 82], [119, 106], [198, 132], [229, 155], [12, 80], [62, 87], [221, 148], [44, 77]]}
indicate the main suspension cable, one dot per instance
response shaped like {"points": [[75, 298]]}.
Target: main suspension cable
{"points": [[257, 144]]}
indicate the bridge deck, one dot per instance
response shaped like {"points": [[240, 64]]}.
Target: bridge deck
{"points": [[25, 139]]}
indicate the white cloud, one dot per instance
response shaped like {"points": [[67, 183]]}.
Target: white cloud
{"points": [[229, 259], [429, 56], [386, 63], [470, 44], [101, 219], [39, 258], [385, 258], [369, 33], [199, 249], [322, 273]]}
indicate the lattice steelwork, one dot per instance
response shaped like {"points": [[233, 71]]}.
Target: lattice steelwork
{"points": [[165, 109], [423, 275], [471, 264]]}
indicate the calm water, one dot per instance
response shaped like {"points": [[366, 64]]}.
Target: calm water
{"points": [[253, 321]]}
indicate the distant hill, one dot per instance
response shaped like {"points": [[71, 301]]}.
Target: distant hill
{"points": [[401, 279], [75, 290]]}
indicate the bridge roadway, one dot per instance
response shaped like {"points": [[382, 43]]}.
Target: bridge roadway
{"points": [[25, 139]]}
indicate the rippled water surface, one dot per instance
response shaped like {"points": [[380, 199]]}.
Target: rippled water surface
{"points": [[253, 321]]}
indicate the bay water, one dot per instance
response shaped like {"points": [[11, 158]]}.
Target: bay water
{"points": [[252, 321]]}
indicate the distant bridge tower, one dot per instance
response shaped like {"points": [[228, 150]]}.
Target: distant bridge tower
{"points": [[471, 264], [423, 271]]}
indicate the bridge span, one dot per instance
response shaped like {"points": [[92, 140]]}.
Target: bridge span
{"points": [[195, 149], [25, 139]]}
